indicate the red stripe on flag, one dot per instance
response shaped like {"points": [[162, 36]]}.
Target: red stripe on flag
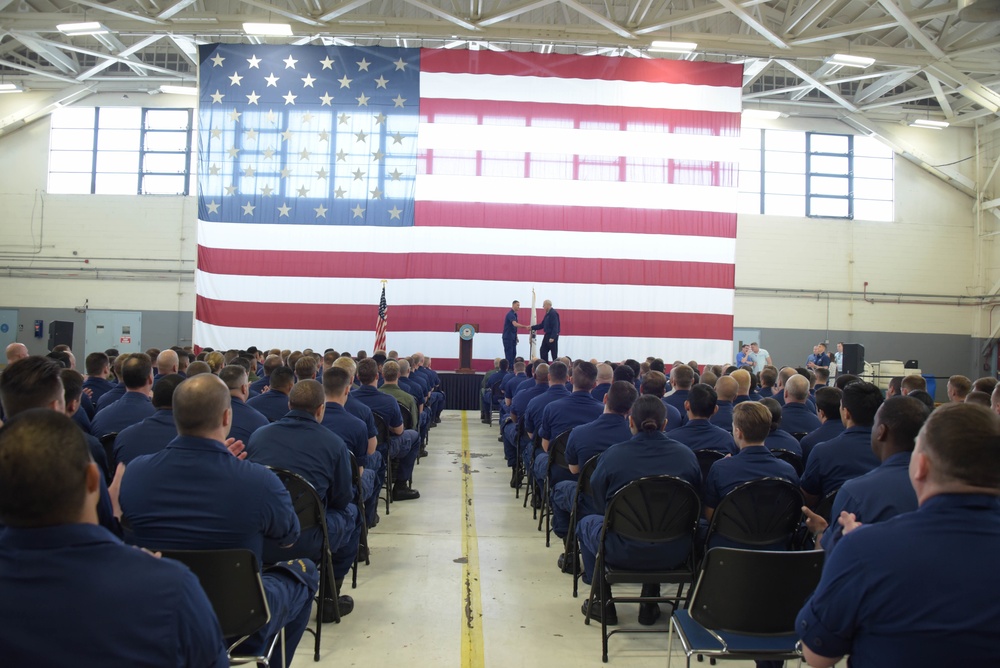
{"points": [[575, 219], [581, 67], [322, 264], [414, 318]]}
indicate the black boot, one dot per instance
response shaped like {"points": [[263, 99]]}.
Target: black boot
{"points": [[402, 492], [344, 603], [592, 609], [649, 612]]}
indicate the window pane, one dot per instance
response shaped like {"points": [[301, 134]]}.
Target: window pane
{"points": [[166, 141], [750, 182], [749, 203], [118, 140], [118, 161], [873, 168], [72, 140], [117, 184], [784, 205], [865, 209], [69, 184], [779, 140], [750, 138], [597, 168], [550, 166], [828, 143], [869, 147], [120, 117], [827, 165], [73, 117], [785, 184], [873, 189], [828, 208], [458, 163], [165, 162], [793, 163], [749, 159], [71, 161], [167, 119], [824, 185], [154, 184]]}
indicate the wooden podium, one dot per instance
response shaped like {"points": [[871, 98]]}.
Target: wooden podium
{"points": [[466, 332]]}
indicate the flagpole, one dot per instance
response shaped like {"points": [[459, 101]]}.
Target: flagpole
{"points": [[531, 337]]}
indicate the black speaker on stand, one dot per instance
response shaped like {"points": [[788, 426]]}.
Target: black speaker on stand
{"points": [[854, 358], [60, 333]]}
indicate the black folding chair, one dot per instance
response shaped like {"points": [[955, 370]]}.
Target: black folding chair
{"points": [[799, 435], [530, 489], [788, 456], [311, 511], [705, 460], [231, 580], [108, 443], [744, 605], [557, 459], [572, 550], [407, 421], [653, 509], [759, 514], [382, 438], [359, 501], [494, 386], [825, 506]]}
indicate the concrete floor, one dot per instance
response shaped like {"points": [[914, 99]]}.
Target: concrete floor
{"points": [[413, 602]]}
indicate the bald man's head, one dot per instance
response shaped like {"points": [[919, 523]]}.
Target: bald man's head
{"points": [[16, 351], [797, 388], [727, 388], [605, 374], [167, 362], [200, 405]]}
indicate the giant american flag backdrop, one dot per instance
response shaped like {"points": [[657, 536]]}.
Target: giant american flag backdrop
{"points": [[465, 178]]}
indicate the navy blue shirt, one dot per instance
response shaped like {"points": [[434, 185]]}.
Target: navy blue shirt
{"points": [[352, 430], [82, 580], [796, 418], [645, 454], [116, 392], [194, 495], [833, 463], [131, 409], [81, 419], [828, 430], [878, 495], [700, 434], [98, 388], [550, 324], [145, 438], [873, 600], [510, 384], [675, 420], [246, 421], [521, 400], [576, 409], [593, 438], [259, 384], [782, 440], [723, 417], [509, 330], [677, 400], [381, 403], [819, 360], [363, 413], [301, 445], [601, 391], [272, 404], [535, 408], [752, 463]]}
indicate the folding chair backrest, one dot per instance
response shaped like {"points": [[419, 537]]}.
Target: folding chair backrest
{"points": [[108, 443], [583, 482], [654, 509], [231, 580], [557, 450], [754, 592], [705, 460], [790, 457], [382, 438], [407, 416], [760, 512], [355, 471], [308, 506], [825, 506]]}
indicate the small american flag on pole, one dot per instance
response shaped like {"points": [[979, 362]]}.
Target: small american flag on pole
{"points": [[383, 308]]}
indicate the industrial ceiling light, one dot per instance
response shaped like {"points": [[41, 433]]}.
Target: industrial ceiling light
{"points": [[850, 61], [268, 29], [660, 46], [763, 114], [86, 28], [10, 88], [929, 124], [178, 90]]}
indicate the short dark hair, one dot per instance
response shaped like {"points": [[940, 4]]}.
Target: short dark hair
{"points": [[584, 375], [775, 408], [828, 401], [985, 384], [903, 417], [753, 419], [654, 383], [649, 413], [32, 382], [621, 395], [768, 377], [305, 368], [163, 390], [72, 382], [974, 397], [623, 372], [136, 371], [198, 367], [963, 441], [307, 395], [657, 365], [503, 365], [682, 376], [895, 383], [272, 362], [43, 469], [335, 381], [95, 363], [233, 375], [703, 399], [367, 371], [61, 357], [924, 397], [862, 400], [845, 379], [281, 378], [558, 372]]}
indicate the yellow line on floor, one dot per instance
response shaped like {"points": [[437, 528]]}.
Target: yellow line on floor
{"points": [[472, 604]]}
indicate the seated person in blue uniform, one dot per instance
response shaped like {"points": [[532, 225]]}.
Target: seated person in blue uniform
{"points": [[354, 432], [849, 455], [784, 375], [118, 389], [561, 416], [648, 452], [36, 382], [493, 396], [273, 404], [246, 420], [586, 441], [873, 601], [271, 362], [167, 363], [751, 425], [134, 406], [300, 444], [97, 383], [779, 439], [152, 434], [485, 393], [539, 385], [699, 433], [885, 491], [768, 378], [425, 416], [744, 384], [605, 376], [404, 444], [822, 379], [681, 380], [508, 386], [195, 495], [828, 412], [655, 384], [558, 374], [796, 417], [59, 567], [73, 391], [726, 388], [420, 368]]}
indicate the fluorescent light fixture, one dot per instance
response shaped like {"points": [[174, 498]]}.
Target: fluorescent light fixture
{"points": [[88, 28], [928, 124], [672, 47], [275, 29], [762, 114], [178, 90], [10, 88], [850, 61]]}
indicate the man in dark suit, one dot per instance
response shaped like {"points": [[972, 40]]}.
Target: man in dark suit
{"points": [[550, 324]]}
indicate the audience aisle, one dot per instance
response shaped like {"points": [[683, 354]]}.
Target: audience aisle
{"points": [[411, 602]]}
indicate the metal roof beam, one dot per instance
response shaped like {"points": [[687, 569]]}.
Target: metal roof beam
{"points": [[910, 27], [440, 13], [694, 15], [342, 9], [598, 19], [883, 23], [829, 92], [514, 11], [754, 24]]}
